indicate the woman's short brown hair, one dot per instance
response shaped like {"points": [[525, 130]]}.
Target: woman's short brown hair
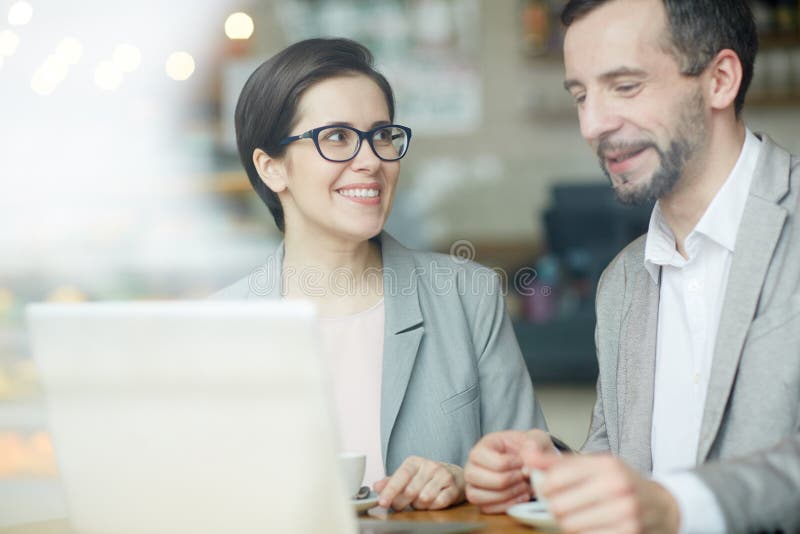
{"points": [[265, 112]]}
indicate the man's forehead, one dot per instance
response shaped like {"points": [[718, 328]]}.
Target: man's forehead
{"points": [[619, 34]]}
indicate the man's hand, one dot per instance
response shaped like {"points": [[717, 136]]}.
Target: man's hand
{"points": [[601, 494], [494, 472], [422, 483]]}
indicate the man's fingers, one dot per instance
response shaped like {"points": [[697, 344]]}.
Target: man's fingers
{"points": [[598, 517], [590, 492], [493, 480], [536, 455], [482, 497], [501, 507], [540, 438], [570, 470], [494, 455]]}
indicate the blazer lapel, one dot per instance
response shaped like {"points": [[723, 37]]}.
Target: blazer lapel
{"points": [[636, 368], [759, 231], [403, 332]]}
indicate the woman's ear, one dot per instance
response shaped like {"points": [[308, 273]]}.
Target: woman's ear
{"points": [[271, 170], [726, 78]]}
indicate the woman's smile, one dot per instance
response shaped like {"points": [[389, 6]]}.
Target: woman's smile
{"points": [[368, 194]]}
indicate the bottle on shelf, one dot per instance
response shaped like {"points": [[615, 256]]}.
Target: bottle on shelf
{"points": [[536, 26]]}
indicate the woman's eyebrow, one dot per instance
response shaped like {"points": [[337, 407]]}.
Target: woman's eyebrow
{"points": [[350, 124]]}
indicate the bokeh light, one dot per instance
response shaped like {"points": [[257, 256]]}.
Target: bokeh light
{"points": [[54, 70], [40, 85], [239, 26], [8, 42], [69, 50], [180, 66], [20, 13], [127, 57], [107, 76]]}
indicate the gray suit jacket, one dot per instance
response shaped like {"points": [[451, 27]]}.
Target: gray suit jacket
{"points": [[452, 368], [749, 448]]}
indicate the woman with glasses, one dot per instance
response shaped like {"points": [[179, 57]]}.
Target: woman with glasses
{"points": [[422, 352]]}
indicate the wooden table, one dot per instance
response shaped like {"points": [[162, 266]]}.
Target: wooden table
{"points": [[465, 513]]}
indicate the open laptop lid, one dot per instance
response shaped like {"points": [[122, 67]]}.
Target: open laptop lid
{"points": [[190, 416]]}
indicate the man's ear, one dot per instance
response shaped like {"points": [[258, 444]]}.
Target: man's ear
{"points": [[271, 170], [725, 76]]}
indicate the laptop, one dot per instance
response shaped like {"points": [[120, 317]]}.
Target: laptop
{"points": [[195, 417], [190, 417]]}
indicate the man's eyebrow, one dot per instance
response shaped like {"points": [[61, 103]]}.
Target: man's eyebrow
{"points": [[608, 76], [622, 71]]}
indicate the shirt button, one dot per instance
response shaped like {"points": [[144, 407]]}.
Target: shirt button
{"points": [[696, 378], [694, 285]]}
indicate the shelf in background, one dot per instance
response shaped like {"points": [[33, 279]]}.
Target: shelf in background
{"points": [[233, 182], [773, 102]]}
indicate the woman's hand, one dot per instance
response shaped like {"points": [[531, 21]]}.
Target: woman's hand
{"points": [[423, 484]]}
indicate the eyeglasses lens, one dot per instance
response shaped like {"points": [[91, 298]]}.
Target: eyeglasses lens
{"points": [[341, 144], [390, 143]]}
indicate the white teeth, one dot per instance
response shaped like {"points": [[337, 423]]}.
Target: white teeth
{"points": [[359, 193]]}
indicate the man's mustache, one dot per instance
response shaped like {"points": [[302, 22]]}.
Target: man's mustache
{"points": [[608, 146]]}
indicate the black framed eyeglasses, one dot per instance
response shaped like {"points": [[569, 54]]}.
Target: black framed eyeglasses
{"points": [[341, 143]]}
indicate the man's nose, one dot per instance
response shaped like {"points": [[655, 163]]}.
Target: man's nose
{"points": [[598, 118]]}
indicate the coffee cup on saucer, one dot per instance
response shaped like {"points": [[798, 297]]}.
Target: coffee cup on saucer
{"points": [[537, 477], [352, 466]]}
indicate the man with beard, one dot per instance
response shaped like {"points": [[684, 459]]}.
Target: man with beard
{"points": [[697, 421]]}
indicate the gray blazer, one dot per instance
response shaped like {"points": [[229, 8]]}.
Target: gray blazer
{"points": [[749, 448], [452, 368]]}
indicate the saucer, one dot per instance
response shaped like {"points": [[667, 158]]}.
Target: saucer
{"points": [[533, 514], [362, 505]]}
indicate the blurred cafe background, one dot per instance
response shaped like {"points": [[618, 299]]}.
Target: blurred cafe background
{"points": [[119, 177]]}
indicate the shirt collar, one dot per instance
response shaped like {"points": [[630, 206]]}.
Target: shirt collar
{"points": [[720, 222], [659, 248]]}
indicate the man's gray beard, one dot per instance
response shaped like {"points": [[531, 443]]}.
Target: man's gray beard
{"points": [[691, 134]]}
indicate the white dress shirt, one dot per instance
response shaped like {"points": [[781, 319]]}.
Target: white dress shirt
{"points": [[691, 295]]}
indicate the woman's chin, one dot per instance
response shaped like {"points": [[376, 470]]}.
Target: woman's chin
{"points": [[364, 230], [358, 234], [366, 235]]}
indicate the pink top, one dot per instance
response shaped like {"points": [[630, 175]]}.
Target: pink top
{"points": [[352, 346]]}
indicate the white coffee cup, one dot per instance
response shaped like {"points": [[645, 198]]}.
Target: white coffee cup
{"points": [[537, 477], [352, 466]]}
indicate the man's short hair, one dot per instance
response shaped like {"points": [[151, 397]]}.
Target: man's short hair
{"points": [[698, 31]]}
